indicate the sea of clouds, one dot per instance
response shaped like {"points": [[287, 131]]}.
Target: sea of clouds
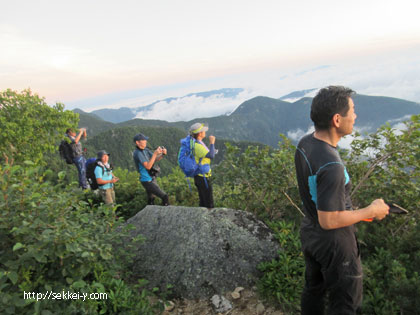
{"points": [[194, 106]]}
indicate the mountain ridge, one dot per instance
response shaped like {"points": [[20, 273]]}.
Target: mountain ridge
{"points": [[126, 113], [262, 118]]}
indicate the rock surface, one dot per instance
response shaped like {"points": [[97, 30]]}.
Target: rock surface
{"points": [[200, 252], [246, 305], [220, 304]]}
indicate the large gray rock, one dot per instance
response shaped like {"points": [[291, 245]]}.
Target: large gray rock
{"points": [[200, 252]]}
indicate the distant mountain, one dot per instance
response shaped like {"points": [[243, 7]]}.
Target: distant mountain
{"points": [[81, 112], [115, 115], [265, 118], [93, 123], [125, 113], [297, 95], [251, 121], [261, 119], [374, 111]]}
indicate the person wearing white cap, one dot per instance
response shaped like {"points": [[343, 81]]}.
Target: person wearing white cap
{"points": [[105, 178], [205, 154]]}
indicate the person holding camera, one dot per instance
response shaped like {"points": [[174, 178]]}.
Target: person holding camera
{"points": [[78, 158], [144, 161]]}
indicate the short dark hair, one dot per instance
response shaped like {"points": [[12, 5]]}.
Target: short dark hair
{"points": [[328, 102], [69, 130]]}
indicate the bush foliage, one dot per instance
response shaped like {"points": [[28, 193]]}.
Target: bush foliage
{"points": [[53, 241], [260, 180], [30, 127]]}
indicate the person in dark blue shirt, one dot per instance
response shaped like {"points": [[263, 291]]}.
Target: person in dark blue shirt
{"points": [[144, 160]]}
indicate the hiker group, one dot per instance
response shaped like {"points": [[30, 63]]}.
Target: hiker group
{"points": [[194, 159], [94, 173], [329, 244]]}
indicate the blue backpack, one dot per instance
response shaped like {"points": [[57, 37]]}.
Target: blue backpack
{"points": [[186, 159]]}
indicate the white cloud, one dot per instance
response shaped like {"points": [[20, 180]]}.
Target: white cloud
{"points": [[396, 124], [345, 142], [398, 121], [187, 108], [297, 134], [384, 73]]}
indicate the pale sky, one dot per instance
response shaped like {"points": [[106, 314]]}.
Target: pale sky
{"points": [[76, 51]]}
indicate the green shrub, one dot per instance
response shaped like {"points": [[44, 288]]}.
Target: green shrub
{"points": [[123, 298], [385, 164], [260, 180], [179, 191], [282, 280], [129, 193], [51, 240], [31, 128]]}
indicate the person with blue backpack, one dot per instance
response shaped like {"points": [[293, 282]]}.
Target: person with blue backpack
{"points": [[203, 156], [144, 160], [329, 244]]}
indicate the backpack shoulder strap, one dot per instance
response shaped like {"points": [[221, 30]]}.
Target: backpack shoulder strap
{"points": [[192, 145], [103, 171], [103, 168]]}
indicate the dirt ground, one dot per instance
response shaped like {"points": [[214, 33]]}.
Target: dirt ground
{"points": [[247, 304]]}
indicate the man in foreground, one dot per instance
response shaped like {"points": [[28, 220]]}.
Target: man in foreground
{"points": [[327, 232]]}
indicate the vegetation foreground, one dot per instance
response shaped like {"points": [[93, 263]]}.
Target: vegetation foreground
{"points": [[56, 238]]}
